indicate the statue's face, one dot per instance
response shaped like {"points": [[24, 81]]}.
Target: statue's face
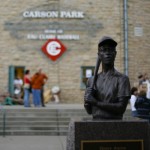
{"points": [[107, 54]]}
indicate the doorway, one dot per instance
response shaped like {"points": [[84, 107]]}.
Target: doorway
{"points": [[14, 71]]}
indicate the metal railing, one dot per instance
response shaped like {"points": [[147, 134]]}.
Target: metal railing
{"points": [[2, 110]]}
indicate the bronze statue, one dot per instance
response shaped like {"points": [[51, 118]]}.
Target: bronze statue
{"points": [[107, 93]]}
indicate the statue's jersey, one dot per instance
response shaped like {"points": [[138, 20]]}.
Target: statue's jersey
{"points": [[112, 95]]}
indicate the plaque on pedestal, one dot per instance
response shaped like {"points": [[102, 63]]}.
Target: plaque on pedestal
{"points": [[112, 145]]}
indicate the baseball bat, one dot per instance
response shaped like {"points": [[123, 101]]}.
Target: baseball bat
{"points": [[96, 71]]}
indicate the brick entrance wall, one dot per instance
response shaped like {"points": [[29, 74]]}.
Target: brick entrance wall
{"points": [[101, 17]]}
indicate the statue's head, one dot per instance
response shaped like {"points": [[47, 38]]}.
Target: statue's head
{"points": [[107, 40], [107, 50]]}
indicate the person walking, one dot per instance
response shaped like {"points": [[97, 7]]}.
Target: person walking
{"points": [[134, 94], [44, 79], [18, 83], [27, 88], [38, 81]]}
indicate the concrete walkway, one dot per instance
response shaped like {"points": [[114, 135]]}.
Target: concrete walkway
{"points": [[48, 106], [36, 142], [33, 143]]}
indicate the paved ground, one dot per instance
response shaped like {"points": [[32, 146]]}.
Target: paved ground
{"points": [[48, 106], [33, 143], [36, 142]]}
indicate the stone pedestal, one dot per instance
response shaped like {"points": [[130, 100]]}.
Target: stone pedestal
{"points": [[108, 135]]}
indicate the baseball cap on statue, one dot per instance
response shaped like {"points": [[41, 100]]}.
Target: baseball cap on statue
{"points": [[107, 40]]}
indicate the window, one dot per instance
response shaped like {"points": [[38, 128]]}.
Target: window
{"points": [[86, 72]]}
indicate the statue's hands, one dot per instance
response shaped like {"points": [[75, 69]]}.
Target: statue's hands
{"points": [[89, 96]]}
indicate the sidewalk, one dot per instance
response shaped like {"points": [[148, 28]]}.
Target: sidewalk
{"points": [[36, 142], [48, 106], [33, 143]]}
